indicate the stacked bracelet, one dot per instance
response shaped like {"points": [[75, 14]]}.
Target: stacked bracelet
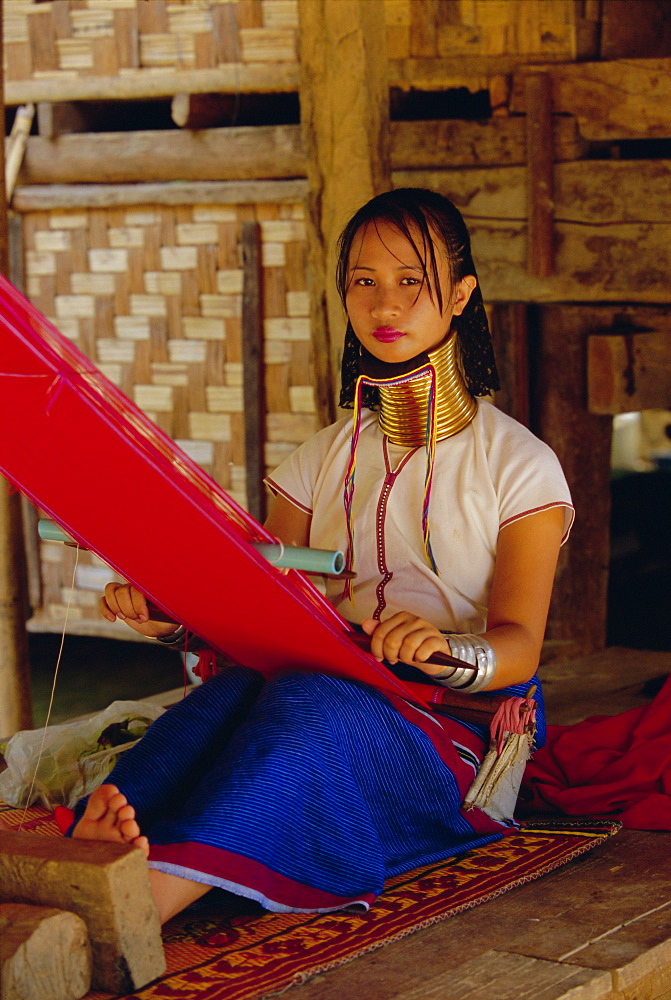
{"points": [[174, 638], [471, 649]]}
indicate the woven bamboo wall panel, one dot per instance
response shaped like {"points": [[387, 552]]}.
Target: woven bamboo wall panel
{"points": [[153, 295], [112, 37]]}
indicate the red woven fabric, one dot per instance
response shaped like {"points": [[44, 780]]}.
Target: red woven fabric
{"points": [[608, 765]]}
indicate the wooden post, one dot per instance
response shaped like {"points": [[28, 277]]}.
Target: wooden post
{"points": [[582, 442], [511, 347], [345, 122], [252, 369], [540, 192], [15, 700]]}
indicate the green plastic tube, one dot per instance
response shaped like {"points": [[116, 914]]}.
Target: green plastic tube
{"points": [[308, 560], [320, 561]]}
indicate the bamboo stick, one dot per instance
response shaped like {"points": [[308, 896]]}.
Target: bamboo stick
{"points": [[17, 146], [143, 85]]}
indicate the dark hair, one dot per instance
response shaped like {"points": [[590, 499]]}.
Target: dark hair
{"points": [[421, 216]]}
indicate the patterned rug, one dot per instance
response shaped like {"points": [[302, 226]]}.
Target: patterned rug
{"points": [[226, 948]]}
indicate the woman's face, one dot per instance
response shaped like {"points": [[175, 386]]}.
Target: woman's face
{"points": [[388, 304]]}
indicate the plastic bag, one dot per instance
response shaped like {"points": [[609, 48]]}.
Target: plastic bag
{"points": [[76, 757]]}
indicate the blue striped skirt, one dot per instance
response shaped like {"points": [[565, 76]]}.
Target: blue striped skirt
{"points": [[304, 792]]}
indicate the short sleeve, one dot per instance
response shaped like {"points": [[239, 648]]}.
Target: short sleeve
{"points": [[295, 478], [527, 475]]}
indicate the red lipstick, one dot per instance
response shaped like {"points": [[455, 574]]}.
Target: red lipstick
{"points": [[387, 334]]}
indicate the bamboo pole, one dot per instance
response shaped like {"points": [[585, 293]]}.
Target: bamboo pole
{"points": [[15, 700], [17, 147], [344, 98]]}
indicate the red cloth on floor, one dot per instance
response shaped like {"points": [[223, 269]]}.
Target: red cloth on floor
{"points": [[616, 765]]}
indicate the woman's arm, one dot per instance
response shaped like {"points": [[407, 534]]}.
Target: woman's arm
{"points": [[288, 523], [526, 559]]}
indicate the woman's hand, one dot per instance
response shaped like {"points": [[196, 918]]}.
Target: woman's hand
{"points": [[408, 638], [120, 600]]}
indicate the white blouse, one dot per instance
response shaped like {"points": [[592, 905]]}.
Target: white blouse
{"points": [[493, 472]]}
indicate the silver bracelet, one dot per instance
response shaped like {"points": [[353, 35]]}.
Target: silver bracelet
{"points": [[471, 649], [173, 638]]}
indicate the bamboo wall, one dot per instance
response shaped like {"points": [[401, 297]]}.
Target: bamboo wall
{"points": [[152, 294], [61, 39]]}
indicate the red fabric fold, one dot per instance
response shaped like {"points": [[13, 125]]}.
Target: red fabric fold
{"points": [[607, 765]]}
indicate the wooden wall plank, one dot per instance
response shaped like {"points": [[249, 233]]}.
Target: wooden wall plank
{"points": [[276, 77], [620, 99], [267, 151], [612, 223], [630, 371]]}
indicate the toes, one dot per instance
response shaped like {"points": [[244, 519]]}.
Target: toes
{"points": [[126, 812], [116, 802], [129, 830], [142, 843], [99, 801]]}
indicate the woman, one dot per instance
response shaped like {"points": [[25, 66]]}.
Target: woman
{"points": [[307, 791]]}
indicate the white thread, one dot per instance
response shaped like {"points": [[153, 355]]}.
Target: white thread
{"points": [[53, 691]]}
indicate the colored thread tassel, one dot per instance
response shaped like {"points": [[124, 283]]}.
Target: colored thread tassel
{"points": [[431, 441], [348, 589]]}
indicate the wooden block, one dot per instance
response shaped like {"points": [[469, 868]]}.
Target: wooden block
{"points": [[618, 99], [44, 953], [629, 372], [106, 885]]}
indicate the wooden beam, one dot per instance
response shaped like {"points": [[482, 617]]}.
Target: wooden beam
{"points": [[254, 152], [272, 151], [345, 126], [621, 99], [15, 697], [629, 365], [510, 336], [540, 185], [582, 442], [253, 369], [39, 199], [17, 146], [140, 85]]}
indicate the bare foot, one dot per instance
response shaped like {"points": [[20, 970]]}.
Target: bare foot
{"points": [[109, 817]]}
